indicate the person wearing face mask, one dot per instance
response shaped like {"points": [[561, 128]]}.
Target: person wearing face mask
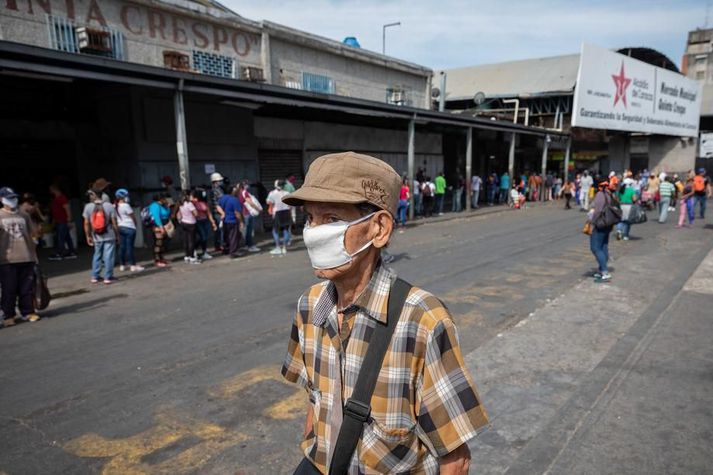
{"points": [[379, 359], [17, 260]]}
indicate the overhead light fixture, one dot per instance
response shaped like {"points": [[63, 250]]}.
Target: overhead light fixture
{"points": [[42, 77]]}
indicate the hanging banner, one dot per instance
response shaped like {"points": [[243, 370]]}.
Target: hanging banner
{"points": [[616, 92]]}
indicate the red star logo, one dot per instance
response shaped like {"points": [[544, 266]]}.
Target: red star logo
{"points": [[622, 82]]}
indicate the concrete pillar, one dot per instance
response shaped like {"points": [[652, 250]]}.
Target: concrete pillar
{"points": [[468, 166], [181, 140], [411, 162], [511, 158], [567, 152], [545, 146], [265, 59]]}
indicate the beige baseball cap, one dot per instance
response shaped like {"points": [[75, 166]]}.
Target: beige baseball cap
{"points": [[349, 177]]}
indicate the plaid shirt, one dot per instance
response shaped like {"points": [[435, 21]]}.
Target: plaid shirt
{"points": [[425, 404]]}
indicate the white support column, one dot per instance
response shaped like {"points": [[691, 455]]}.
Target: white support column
{"points": [[545, 147], [181, 140], [265, 57], [567, 152], [468, 166], [511, 159], [411, 162]]}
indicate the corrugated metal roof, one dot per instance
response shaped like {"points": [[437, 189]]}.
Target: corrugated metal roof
{"points": [[557, 74]]}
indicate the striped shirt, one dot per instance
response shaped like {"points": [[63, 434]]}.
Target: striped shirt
{"points": [[666, 189], [425, 404]]}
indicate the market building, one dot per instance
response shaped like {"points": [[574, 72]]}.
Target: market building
{"points": [[542, 92], [133, 91]]}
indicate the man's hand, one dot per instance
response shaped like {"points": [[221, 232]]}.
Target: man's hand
{"points": [[90, 241], [456, 462]]}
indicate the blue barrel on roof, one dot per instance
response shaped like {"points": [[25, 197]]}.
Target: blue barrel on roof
{"points": [[351, 41]]}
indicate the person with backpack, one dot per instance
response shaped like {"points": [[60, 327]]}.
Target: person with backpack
{"points": [[157, 217], [18, 257], [415, 413], [127, 231], [102, 233], [602, 218], [700, 192], [428, 189]]}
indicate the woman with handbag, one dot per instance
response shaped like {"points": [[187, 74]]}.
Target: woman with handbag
{"points": [[601, 218]]}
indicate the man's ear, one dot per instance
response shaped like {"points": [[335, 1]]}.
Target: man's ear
{"points": [[384, 223]]}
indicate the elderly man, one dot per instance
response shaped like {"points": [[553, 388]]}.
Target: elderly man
{"points": [[423, 408]]}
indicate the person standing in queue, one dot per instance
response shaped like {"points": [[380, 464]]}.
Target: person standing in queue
{"points": [[231, 213], [160, 220], [420, 406], [18, 257], [214, 194], [102, 233]]}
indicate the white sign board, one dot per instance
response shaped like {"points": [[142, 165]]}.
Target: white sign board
{"points": [[706, 142], [617, 92]]}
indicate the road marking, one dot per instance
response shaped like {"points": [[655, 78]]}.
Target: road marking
{"points": [[126, 454], [291, 407]]}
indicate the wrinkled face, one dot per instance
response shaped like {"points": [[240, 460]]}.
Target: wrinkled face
{"points": [[377, 228]]}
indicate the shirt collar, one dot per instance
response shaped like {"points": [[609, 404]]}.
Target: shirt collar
{"points": [[373, 300]]}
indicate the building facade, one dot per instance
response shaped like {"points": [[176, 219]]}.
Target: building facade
{"points": [[207, 38]]}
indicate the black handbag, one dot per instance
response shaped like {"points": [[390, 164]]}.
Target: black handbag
{"points": [[637, 214], [610, 215], [358, 407]]}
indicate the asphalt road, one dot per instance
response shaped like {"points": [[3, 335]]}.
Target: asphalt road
{"points": [[178, 371]]}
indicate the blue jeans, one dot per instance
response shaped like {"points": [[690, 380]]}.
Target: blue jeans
{"points": [[249, 224], [103, 255], [127, 237], [624, 227], [491, 195], [475, 194], [456, 206], [663, 208], [418, 204], [285, 236], [599, 245], [218, 234], [438, 204], [701, 199], [403, 207], [503, 199], [62, 239], [202, 232], [691, 211]]}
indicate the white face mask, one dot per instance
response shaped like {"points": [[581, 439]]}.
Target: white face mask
{"points": [[11, 202], [325, 243]]}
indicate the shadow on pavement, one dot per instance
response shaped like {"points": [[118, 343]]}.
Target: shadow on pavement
{"points": [[58, 310]]}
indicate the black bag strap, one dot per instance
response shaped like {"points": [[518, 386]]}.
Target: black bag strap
{"points": [[358, 408]]}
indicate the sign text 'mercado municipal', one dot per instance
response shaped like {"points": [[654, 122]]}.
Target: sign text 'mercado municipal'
{"points": [[617, 92]]}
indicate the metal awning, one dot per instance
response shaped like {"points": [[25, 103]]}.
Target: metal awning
{"points": [[16, 57]]}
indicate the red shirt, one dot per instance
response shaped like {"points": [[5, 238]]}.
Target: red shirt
{"points": [[59, 214], [404, 193], [201, 209]]}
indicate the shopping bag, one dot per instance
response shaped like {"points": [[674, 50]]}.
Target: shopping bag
{"points": [[41, 292]]}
